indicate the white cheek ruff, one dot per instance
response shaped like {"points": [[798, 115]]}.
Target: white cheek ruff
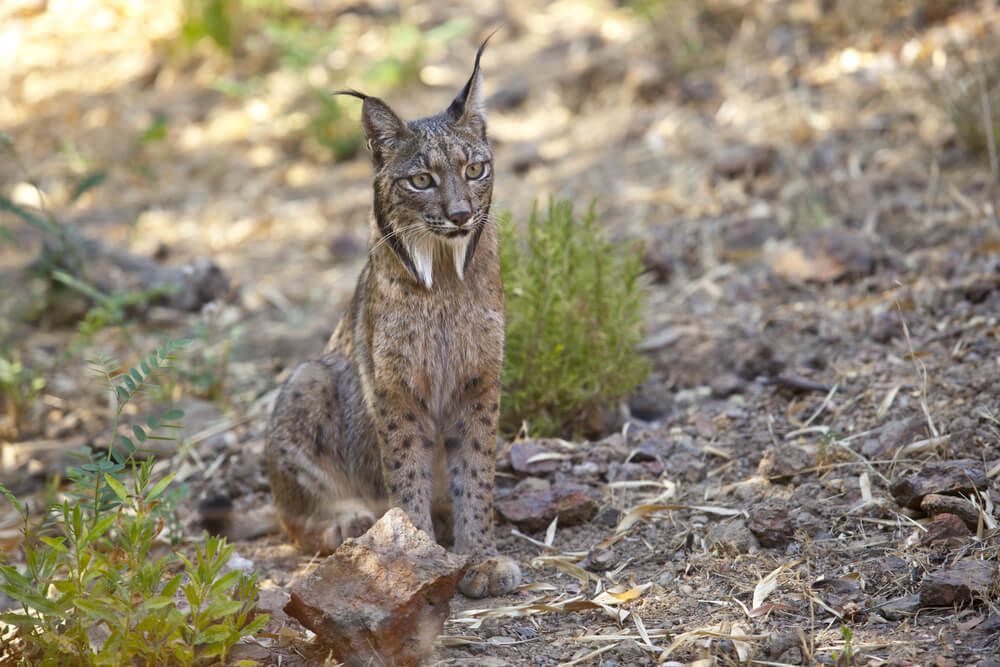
{"points": [[422, 252], [459, 247]]}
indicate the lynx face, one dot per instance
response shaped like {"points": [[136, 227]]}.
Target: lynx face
{"points": [[433, 180]]}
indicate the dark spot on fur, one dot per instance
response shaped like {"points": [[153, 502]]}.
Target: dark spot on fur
{"points": [[392, 426], [460, 427], [451, 444], [494, 407], [296, 395], [477, 406], [396, 465], [428, 443], [472, 383], [411, 417], [381, 412], [454, 471], [476, 445], [407, 498], [407, 443], [486, 421], [411, 475], [422, 402], [381, 393]]}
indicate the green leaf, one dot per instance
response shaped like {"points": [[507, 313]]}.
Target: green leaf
{"points": [[216, 633], [95, 611], [140, 434], [135, 375], [55, 543], [221, 608], [255, 625], [159, 487], [173, 415], [90, 181], [128, 444], [170, 588], [152, 422], [117, 487], [157, 602]]}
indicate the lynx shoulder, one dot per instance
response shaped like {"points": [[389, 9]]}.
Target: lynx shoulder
{"points": [[402, 408]]}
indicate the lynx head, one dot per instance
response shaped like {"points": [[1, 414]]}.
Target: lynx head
{"points": [[433, 179]]}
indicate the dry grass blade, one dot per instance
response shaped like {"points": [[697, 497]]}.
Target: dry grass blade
{"points": [[550, 532], [712, 632], [768, 584], [565, 565], [639, 512]]}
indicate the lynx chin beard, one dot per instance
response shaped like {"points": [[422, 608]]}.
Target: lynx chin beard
{"points": [[443, 248]]}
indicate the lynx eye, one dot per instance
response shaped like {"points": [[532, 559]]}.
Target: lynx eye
{"points": [[475, 170], [421, 181]]}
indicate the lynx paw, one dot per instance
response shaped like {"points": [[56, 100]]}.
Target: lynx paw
{"points": [[493, 576], [347, 524]]}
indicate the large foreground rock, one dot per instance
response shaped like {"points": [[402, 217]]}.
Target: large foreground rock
{"points": [[380, 599]]}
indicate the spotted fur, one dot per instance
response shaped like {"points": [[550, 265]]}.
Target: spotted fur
{"points": [[402, 408]]}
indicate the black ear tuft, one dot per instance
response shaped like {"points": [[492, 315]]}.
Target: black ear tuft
{"points": [[469, 106]]}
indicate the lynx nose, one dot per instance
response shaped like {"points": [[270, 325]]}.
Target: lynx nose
{"points": [[460, 214]]}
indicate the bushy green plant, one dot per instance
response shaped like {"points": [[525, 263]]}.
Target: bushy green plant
{"points": [[574, 318], [95, 590]]}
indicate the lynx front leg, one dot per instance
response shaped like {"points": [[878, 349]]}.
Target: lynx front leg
{"points": [[470, 450], [406, 440]]}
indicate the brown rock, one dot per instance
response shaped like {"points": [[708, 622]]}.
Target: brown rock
{"points": [[783, 461], [381, 598], [943, 527], [535, 509], [960, 476], [769, 521], [966, 580], [522, 451], [934, 503]]}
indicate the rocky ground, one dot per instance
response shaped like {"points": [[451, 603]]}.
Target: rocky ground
{"points": [[811, 470]]}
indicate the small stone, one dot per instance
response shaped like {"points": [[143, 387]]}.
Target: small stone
{"points": [[769, 521], [726, 385], [950, 477], [899, 607], [599, 560], [522, 451], [608, 517], [534, 510], [782, 462], [382, 598], [934, 503], [735, 161], [960, 583], [732, 537]]}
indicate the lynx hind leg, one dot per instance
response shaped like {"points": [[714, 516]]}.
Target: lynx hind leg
{"points": [[320, 502]]}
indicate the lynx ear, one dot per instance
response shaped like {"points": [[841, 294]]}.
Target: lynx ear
{"points": [[469, 108], [383, 128]]}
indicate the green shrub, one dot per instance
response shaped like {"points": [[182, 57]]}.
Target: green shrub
{"points": [[574, 318], [94, 591]]}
